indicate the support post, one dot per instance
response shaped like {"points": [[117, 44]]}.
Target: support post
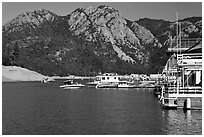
{"points": [[187, 104]]}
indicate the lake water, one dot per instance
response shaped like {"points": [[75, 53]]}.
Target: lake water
{"points": [[33, 108]]}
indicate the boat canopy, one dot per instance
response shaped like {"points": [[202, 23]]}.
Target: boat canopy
{"points": [[68, 82]]}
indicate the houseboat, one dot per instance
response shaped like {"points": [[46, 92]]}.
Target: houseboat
{"points": [[107, 80], [182, 78]]}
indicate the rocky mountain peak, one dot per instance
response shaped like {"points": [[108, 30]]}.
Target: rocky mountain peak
{"points": [[95, 16], [43, 12], [109, 25], [34, 18], [90, 10]]}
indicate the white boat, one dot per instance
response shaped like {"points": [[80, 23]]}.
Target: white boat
{"points": [[93, 83], [110, 80], [126, 84], [107, 85], [107, 80], [69, 84]]}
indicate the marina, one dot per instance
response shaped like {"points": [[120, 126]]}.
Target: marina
{"points": [[102, 68], [111, 80]]}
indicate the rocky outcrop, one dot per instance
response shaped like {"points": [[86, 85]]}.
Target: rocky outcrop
{"points": [[109, 25], [144, 35], [31, 19]]}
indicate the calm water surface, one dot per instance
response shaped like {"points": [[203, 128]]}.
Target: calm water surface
{"points": [[33, 108]]}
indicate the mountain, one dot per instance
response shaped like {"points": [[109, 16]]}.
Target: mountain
{"points": [[165, 31], [154, 25], [85, 42]]}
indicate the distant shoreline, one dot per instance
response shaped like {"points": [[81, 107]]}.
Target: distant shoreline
{"points": [[71, 77], [54, 77]]}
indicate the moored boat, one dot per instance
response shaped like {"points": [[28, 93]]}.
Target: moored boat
{"points": [[182, 80], [107, 85], [107, 80], [93, 83], [69, 84], [111, 80], [126, 84]]}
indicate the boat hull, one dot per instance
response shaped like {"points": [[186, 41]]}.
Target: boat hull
{"points": [[71, 86], [126, 86], [92, 84], [107, 85]]}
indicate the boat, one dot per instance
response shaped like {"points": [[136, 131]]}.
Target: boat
{"points": [[107, 80], [182, 76], [111, 80], [93, 83], [107, 85], [126, 84], [69, 84]]}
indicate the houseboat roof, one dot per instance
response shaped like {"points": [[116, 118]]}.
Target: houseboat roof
{"points": [[185, 45], [196, 48]]}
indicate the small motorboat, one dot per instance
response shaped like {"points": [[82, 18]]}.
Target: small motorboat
{"points": [[70, 84], [126, 84]]}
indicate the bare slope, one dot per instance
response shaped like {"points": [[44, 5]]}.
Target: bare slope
{"points": [[14, 73]]}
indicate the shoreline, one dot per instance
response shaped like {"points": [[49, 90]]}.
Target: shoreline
{"points": [[53, 78], [10, 81]]}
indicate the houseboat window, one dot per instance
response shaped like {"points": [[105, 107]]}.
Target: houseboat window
{"points": [[103, 78], [166, 101], [175, 102], [107, 77]]}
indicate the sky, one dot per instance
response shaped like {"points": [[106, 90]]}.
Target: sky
{"points": [[130, 10]]}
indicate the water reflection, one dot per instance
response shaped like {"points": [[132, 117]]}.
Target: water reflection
{"points": [[188, 116], [180, 122]]}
